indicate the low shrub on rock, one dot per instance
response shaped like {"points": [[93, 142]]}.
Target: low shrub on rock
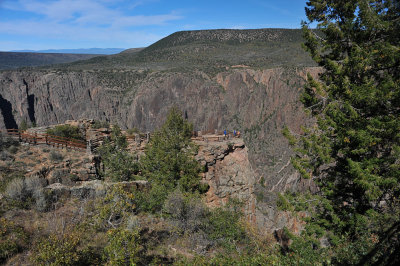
{"points": [[25, 192], [66, 131], [57, 250], [13, 239], [123, 247], [55, 156]]}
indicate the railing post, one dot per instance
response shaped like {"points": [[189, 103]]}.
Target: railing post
{"points": [[138, 139], [89, 147]]}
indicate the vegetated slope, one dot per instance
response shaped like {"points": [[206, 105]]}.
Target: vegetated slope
{"points": [[10, 60], [247, 80], [203, 49], [263, 47]]}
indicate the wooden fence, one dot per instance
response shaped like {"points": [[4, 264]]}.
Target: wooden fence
{"points": [[213, 135], [61, 142], [51, 140]]}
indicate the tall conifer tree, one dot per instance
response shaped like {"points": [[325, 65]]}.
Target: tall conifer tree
{"points": [[353, 150], [169, 162], [169, 157]]}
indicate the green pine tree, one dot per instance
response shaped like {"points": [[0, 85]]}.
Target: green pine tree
{"points": [[119, 163], [169, 162], [353, 150]]}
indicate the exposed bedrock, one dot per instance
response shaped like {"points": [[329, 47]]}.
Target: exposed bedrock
{"points": [[258, 103]]}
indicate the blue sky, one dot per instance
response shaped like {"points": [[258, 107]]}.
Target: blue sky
{"points": [[59, 24]]}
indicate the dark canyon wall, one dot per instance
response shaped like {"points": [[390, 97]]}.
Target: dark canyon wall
{"points": [[256, 102]]}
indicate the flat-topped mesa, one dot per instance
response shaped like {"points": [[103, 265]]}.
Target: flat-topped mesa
{"points": [[210, 49], [231, 36]]}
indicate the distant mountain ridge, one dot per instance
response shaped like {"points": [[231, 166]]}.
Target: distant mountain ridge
{"points": [[11, 60], [96, 51]]}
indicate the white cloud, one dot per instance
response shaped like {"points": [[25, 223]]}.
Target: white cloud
{"points": [[60, 31], [144, 20], [58, 10], [238, 27], [89, 12], [84, 20]]}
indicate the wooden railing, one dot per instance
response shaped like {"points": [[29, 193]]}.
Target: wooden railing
{"points": [[61, 142], [51, 140], [213, 135]]}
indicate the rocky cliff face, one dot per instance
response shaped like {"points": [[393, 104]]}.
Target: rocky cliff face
{"points": [[258, 103], [240, 98], [230, 175]]}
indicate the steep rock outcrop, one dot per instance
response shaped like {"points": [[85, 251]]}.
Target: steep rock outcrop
{"points": [[257, 102], [229, 174], [236, 97]]}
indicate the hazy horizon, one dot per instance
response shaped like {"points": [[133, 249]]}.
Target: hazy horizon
{"points": [[94, 50], [76, 24]]}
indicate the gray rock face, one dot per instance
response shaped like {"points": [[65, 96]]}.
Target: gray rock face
{"points": [[230, 175], [240, 98], [258, 103]]}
